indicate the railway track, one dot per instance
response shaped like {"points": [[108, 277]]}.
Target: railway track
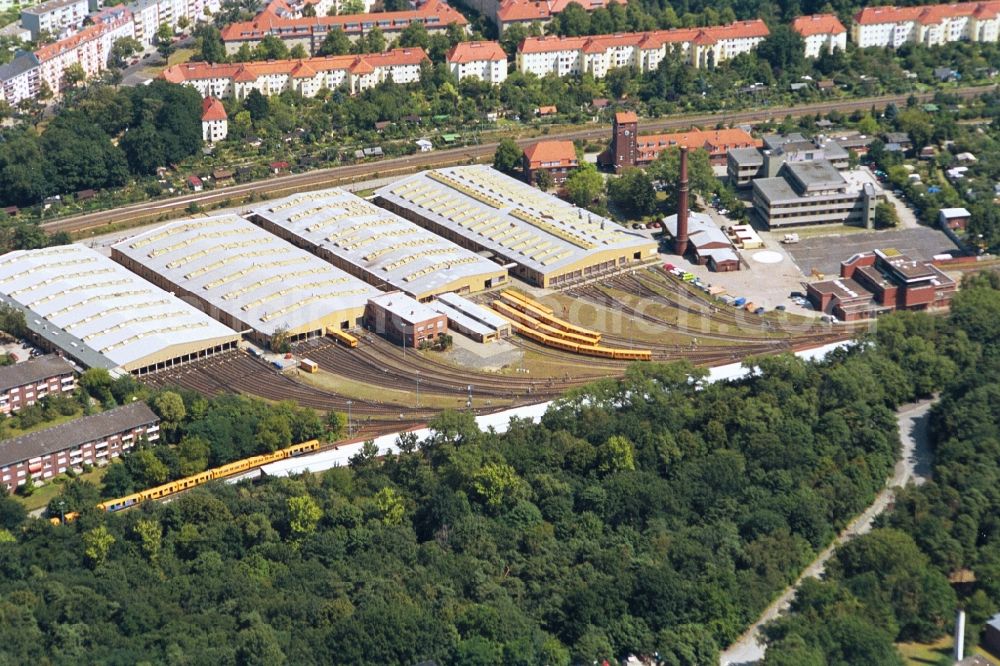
{"points": [[311, 180]]}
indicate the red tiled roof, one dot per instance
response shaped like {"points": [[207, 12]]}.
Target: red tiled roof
{"points": [[74, 41], [472, 51], [511, 11], [927, 14], [716, 142], [212, 109], [547, 110], [549, 152], [646, 40], [818, 24], [433, 14], [623, 117], [306, 67]]}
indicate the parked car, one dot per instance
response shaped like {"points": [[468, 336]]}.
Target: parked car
{"points": [[796, 294]]}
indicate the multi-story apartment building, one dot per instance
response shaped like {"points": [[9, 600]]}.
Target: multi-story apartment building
{"points": [[296, 8], [20, 78], [214, 120], [307, 76], [90, 48], [596, 55], [822, 33], [90, 440], [24, 384], [809, 193], [486, 61], [150, 14], [435, 15], [59, 18], [930, 25], [505, 13]]}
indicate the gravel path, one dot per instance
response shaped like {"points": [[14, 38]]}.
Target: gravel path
{"points": [[914, 465]]}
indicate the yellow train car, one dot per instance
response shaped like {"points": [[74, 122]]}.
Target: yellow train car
{"points": [[527, 300], [343, 337], [544, 314], [180, 485], [531, 322]]}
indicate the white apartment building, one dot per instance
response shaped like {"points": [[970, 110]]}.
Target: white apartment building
{"points": [[90, 47], [822, 33], [20, 78], [700, 47], [307, 76], [930, 25], [56, 17], [486, 61], [150, 14], [214, 120]]}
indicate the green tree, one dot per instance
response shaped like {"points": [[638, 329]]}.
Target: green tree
{"points": [[415, 35], [497, 485], [73, 75], [372, 41], [298, 52], [194, 454], [150, 536], [544, 180], [885, 216], [271, 48], [96, 382], [169, 406], [633, 193], [146, 468], [783, 49], [304, 515], [97, 544], [667, 168], [584, 185], [507, 157], [209, 46], [390, 506], [164, 40], [617, 455], [121, 50], [335, 43]]}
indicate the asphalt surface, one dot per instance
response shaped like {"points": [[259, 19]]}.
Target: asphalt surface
{"points": [[824, 253], [311, 180], [914, 465]]}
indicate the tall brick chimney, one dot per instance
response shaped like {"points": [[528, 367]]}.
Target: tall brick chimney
{"points": [[681, 240]]}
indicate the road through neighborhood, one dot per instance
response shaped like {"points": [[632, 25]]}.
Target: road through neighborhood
{"points": [[914, 465]]}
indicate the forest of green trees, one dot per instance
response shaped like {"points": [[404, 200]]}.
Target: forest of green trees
{"points": [[652, 514], [892, 584]]}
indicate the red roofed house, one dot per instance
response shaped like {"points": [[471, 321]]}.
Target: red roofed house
{"points": [[486, 61], [89, 48], [214, 120], [508, 12], [628, 149], [821, 32], [930, 25], [598, 54], [307, 76], [310, 32], [556, 157]]}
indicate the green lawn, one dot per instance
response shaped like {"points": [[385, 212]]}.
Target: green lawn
{"points": [[925, 654], [11, 431], [42, 496]]}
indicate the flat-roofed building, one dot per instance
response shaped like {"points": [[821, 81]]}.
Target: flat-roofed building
{"points": [[708, 244], [78, 301], [96, 439], [247, 278], [403, 320], [549, 242], [471, 319], [59, 18], [743, 165], [806, 193], [381, 248], [24, 384]]}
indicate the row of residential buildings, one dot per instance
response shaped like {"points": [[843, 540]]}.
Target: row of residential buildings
{"points": [[64, 18]]}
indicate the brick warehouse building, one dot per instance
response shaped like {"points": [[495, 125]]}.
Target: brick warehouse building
{"points": [[23, 384], [91, 440], [404, 320], [629, 149], [881, 281]]}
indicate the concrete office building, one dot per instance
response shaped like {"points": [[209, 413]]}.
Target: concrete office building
{"points": [[373, 244], [247, 278], [92, 310], [743, 165], [549, 242], [807, 193]]}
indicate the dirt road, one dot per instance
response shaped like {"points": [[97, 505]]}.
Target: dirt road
{"points": [[914, 465]]}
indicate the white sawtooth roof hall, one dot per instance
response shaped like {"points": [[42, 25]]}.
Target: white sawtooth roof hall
{"points": [[377, 245], [101, 314], [542, 234], [246, 277]]}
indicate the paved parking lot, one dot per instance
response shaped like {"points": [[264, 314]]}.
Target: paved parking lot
{"points": [[824, 253]]}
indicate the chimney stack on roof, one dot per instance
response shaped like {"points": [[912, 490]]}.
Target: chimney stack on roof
{"points": [[681, 240]]}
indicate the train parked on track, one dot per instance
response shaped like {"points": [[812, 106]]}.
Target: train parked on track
{"points": [[544, 314], [188, 482], [343, 337]]}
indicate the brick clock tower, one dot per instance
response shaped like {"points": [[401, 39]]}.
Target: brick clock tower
{"points": [[624, 146]]}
